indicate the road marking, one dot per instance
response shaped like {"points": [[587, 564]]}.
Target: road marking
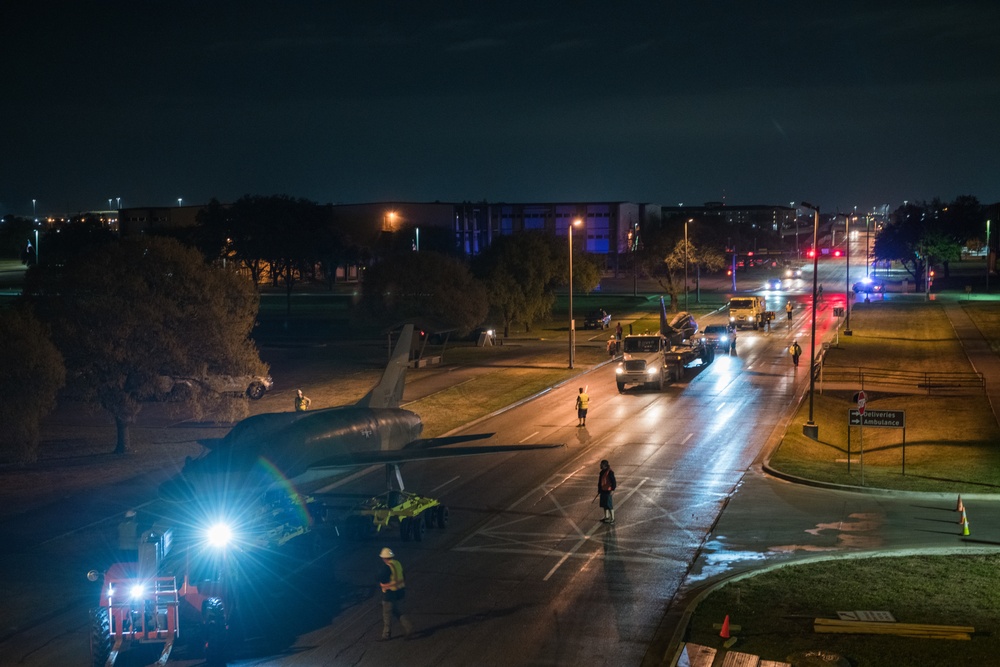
{"points": [[583, 539], [528, 437], [441, 486]]}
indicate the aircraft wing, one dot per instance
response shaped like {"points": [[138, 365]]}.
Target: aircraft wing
{"points": [[430, 443], [356, 459]]}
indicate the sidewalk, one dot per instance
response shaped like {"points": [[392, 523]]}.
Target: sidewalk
{"points": [[807, 521]]}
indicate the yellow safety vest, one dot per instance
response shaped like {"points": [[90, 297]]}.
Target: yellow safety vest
{"points": [[397, 582], [582, 401], [300, 403]]}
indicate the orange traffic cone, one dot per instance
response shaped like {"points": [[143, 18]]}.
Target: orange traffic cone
{"points": [[965, 528], [724, 633], [960, 507], [962, 519]]}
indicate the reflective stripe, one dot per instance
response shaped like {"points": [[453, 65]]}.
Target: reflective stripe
{"points": [[397, 582]]}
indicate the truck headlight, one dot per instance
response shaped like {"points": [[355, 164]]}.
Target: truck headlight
{"points": [[619, 370], [723, 338], [732, 318], [652, 370]]}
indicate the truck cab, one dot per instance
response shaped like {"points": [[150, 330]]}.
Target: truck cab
{"points": [[747, 311], [642, 361]]}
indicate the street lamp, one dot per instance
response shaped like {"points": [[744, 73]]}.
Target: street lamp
{"points": [[847, 279], [36, 247], [987, 256], [686, 262], [572, 327], [811, 429], [34, 212], [179, 202]]}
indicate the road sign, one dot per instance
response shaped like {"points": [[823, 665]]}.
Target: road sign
{"points": [[861, 399], [878, 418]]}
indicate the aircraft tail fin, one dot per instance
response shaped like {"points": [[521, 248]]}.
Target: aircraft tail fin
{"points": [[388, 393]]}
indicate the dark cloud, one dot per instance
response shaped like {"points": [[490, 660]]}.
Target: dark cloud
{"points": [[839, 103]]}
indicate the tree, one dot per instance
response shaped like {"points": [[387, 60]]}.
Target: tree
{"points": [[423, 285], [662, 258], [520, 273], [127, 315], [291, 237], [32, 377], [917, 237]]}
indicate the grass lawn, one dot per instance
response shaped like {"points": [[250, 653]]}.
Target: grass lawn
{"points": [[952, 442], [776, 609]]}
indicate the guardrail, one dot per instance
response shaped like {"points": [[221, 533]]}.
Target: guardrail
{"points": [[923, 380]]}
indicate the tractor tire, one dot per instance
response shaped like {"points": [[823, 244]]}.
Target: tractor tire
{"points": [[214, 631], [419, 527], [100, 636], [405, 529], [621, 388], [256, 390], [442, 516]]}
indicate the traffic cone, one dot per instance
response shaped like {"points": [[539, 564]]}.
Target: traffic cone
{"points": [[965, 527], [724, 633], [962, 518], [960, 507]]}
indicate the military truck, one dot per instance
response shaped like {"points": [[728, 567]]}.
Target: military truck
{"points": [[748, 311], [653, 359]]}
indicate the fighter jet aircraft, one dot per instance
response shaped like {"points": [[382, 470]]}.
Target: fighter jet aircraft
{"points": [[305, 450]]}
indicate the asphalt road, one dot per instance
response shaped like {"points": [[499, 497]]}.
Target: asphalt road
{"points": [[525, 574]]}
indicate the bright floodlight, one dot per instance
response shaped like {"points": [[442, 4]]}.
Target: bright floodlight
{"points": [[137, 591], [219, 535]]}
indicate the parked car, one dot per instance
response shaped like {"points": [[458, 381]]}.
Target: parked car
{"points": [[597, 319], [253, 386], [721, 337]]}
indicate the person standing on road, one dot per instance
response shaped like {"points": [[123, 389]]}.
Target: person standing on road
{"points": [[302, 402], [618, 331], [795, 351], [582, 402], [393, 591], [788, 309], [606, 485]]}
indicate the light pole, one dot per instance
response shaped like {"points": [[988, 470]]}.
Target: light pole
{"points": [[180, 202], [847, 279], [811, 429], [572, 326], [118, 201], [686, 262], [36, 247], [987, 256], [34, 212], [109, 203]]}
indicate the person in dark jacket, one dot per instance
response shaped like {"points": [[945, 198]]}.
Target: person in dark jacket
{"points": [[606, 485]]}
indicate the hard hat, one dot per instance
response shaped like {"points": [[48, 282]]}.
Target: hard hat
{"points": [[129, 514], [386, 553]]}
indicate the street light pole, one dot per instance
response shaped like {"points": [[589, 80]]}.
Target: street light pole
{"points": [[847, 278], [686, 262], [987, 256], [811, 429], [572, 327]]}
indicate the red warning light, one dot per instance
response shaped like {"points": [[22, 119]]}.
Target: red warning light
{"points": [[836, 253], [811, 253]]}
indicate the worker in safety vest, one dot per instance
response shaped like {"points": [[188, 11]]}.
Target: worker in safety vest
{"points": [[302, 402], [582, 402], [393, 591], [788, 309], [795, 351]]}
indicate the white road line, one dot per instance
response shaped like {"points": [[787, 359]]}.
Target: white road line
{"points": [[529, 437], [583, 540], [441, 486]]}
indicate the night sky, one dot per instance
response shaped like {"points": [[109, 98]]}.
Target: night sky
{"points": [[839, 103]]}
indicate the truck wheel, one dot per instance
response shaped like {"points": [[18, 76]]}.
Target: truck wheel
{"points": [[621, 388], [756, 325], [213, 619], [256, 390], [661, 381], [100, 636], [418, 526], [405, 529], [441, 514]]}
